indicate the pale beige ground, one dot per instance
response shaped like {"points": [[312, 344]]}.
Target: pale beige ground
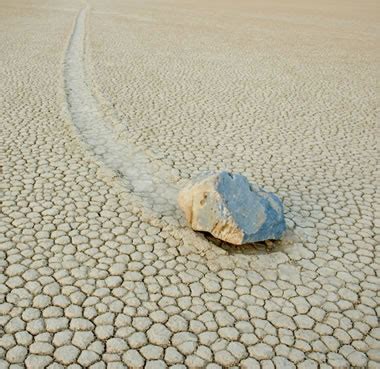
{"points": [[282, 91]]}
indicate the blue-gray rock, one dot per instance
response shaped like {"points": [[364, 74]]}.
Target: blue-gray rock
{"points": [[231, 209]]}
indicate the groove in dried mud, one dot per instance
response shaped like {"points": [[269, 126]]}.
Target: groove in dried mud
{"points": [[150, 184]]}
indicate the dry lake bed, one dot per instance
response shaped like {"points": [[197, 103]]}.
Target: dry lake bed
{"points": [[108, 108]]}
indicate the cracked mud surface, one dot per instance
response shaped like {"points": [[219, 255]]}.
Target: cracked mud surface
{"points": [[97, 272]]}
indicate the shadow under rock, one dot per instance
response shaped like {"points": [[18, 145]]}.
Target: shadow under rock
{"points": [[257, 248]]}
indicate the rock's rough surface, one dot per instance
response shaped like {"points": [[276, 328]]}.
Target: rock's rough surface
{"points": [[232, 209]]}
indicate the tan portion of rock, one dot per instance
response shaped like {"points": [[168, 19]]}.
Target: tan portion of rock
{"points": [[228, 232], [192, 199]]}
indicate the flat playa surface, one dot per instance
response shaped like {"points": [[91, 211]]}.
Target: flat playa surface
{"points": [[108, 108]]}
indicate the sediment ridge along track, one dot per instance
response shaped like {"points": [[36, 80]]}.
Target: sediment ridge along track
{"points": [[151, 184]]}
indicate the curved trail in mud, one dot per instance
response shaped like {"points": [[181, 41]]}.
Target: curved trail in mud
{"points": [[143, 178]]}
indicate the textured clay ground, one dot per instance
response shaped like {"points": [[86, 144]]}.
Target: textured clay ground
{"points": [[108, 107]]}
